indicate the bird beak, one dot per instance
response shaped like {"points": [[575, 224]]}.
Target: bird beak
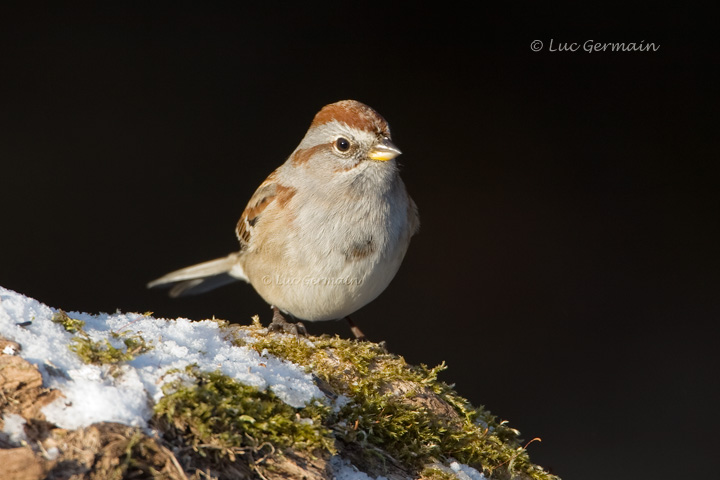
{"points": [[384, 151]]}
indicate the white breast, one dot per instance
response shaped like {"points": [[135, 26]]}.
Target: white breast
{"points": [[323, 273]]}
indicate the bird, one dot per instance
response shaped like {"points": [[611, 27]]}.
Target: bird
{"points": [[326, 232]]}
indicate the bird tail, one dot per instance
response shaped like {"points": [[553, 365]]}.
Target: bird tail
{"points": [[202, 277]]}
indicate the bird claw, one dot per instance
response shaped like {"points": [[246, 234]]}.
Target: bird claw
{"points": [[280, 324]]}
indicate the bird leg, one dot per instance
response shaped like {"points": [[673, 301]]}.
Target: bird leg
{"points": [[280, 324], [359, 335]]}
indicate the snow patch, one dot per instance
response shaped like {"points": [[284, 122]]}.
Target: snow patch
{"points": [[14, 428], [465, 472], [92, 394], [344, 470]]}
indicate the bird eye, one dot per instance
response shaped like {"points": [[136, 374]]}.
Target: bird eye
{"points": [[342, 144]]}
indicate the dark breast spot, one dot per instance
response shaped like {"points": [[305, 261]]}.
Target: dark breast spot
{"points": [[360, 250]]}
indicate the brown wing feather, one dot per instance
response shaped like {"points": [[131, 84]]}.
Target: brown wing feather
{"points": [[268, 192]]}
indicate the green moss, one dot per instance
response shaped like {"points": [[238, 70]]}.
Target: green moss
{"points": [[388, 413], [436, 473], [102, 352], [219, 416], [131, 461], [71, 325], [399, 412]]}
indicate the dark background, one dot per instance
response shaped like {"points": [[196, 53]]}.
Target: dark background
{"points": [[566, 268]]}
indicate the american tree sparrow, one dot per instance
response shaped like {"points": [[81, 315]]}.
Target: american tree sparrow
{"points": [[326, 232]]}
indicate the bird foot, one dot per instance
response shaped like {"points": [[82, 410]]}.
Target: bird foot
{"points": [[359, 335], [280, 324]]}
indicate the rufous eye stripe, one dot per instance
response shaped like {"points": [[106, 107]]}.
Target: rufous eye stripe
{"points": [[303, 155]]}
